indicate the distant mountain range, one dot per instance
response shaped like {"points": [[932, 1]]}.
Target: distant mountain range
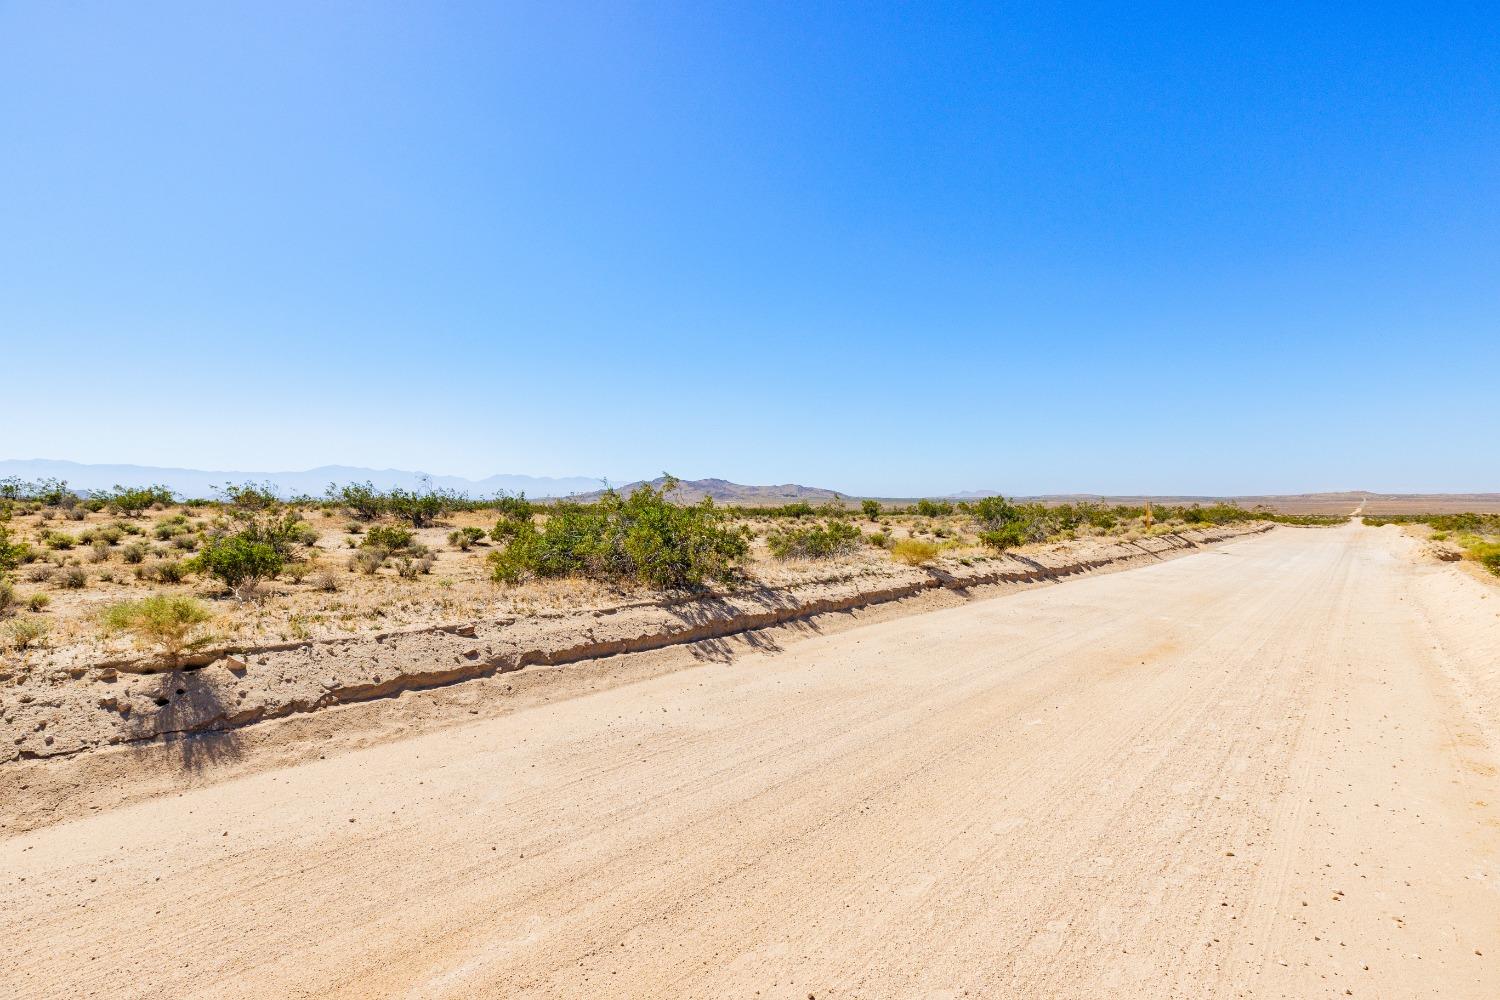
{"points": [[723, 491], [200, 483]]}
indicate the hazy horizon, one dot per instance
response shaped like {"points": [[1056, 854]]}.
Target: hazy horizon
{"points": [[887, 249], [515, 481]]}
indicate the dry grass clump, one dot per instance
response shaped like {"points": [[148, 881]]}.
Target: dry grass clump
{"points": [[913, 551], [166, 622], [26, 632]]}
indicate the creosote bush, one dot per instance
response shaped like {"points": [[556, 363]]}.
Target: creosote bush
{"points": [[12, 553], [818, 541], [388, 537], [643, 538], [165, 622], [463, 538]]}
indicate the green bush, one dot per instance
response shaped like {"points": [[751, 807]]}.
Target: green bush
{"points": [[992, 512], [240, 561], [362, 499], [1008, 535], [798, 509], [819, 541], [508, 527], [933, 508], [135, 553], [165, 622], [12, 553], [131, 501], [644, 537], [463, 538], [420, 507], [516, 507], [165, 531], [58, 540], [388, 537], [38, 602], [870, 508], [162, 571]]}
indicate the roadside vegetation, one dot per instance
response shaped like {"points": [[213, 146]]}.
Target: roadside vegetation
{"points": [[78, 567], [1477, 536]]}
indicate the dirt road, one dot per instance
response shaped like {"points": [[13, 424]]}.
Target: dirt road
{"points": [[1264, 770]]}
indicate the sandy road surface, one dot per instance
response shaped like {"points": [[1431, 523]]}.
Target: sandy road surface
{"points": [[1264, 770]]}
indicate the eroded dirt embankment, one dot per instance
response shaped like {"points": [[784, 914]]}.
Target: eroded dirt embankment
{"points": [[120, 702]]}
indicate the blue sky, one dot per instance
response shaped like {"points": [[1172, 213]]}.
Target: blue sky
{"points": [[890, 249]]}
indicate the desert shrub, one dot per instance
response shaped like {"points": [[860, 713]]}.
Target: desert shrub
{"points": [[78, 513], [879, 540], [38, 602], [870, 508], [58, 540], [516, 507], [1007, 536], [131, 501], [420, 507], [134, 553], [108, 534], [12, 553], [26, 632], [508, 527], [362, 499], [99, 551], [7, 597], [240, 561], [992, 512], [818, 541], [165, 531], [524, 555], [409, 566], [72, 578], [463, 538], [297, 570], [325, 581], [913, 551], [39, 573], [369, 559], [933, 508], [644, 537], [165, 622], [388, 537], [249, 496], [254, 543]]}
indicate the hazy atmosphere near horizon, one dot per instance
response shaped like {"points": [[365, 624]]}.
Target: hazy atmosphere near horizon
{"points": [[891, 250]]}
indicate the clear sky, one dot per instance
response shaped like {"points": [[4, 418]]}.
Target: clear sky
{"points": [[888, 249]]}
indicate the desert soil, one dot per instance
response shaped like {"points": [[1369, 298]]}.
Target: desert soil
{"points": [[1266, 769]]}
